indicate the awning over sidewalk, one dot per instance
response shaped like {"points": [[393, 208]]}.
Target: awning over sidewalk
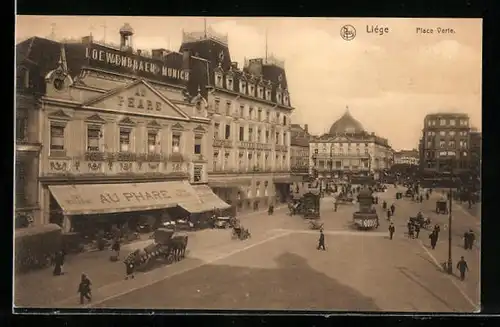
{"points": [[125, 197], [208, 197]]}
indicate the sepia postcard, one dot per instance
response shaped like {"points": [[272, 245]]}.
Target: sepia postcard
{"points": [[255, 163]]}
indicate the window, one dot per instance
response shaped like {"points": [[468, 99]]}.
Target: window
{"points": [[227, 133], [451, 144], [243, 87], [216, 130], [268, 95], [226, 159], [284, 138], [93, 136], [267, 137], [197, 173], [284, 120], [452, 133], [278, 117], [259, 115], [277, 136], [242, 134], [429, 144], [250, 113], [268, 115], [442, 133], [285, 100], [216, 161], [242, 111], [228, 108], [429, 123], [176, 142], [124, 140], [217, 105], [463, 144], [260, 92], [442, 122], [453, 122], [259, 136], [197, 144], [441, 144], [56, 137], [229, 83], [152, 141], [218, 80], [250, 134], [20, 183], [21, 128], [429, 133], [251, 90], [278, 97]]}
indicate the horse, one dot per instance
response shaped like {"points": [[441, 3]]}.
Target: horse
{"points": [[178, 245]]}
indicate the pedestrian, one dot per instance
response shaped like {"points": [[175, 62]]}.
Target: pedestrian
{"points": [[270, 210], [58, 263], [462, 267], [321, 241], [427, 195], [393, 209], [388, 214], [84, 289], [130, 262], [466, 240], [335, 205], [434, 238], [417, 230], [392, 229], [384, 205], [421, 198], [472, 238], [115, 250]]}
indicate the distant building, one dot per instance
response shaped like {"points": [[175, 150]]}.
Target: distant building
{"points": [[408, 157], [299, 158], [347, 149], [475, 149], [445, 142]]}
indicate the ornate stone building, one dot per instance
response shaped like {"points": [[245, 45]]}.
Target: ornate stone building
{"points": [[347, 149], [249, 163], [407, 157], [123, 130]]}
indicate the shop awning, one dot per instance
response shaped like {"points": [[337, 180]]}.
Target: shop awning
{"points": [[125, 197], [208, 197]]}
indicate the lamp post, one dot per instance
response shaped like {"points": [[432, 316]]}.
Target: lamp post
{"points": [[450, 196]]}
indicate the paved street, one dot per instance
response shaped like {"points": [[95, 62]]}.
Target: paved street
{"points": [[279, 268]]}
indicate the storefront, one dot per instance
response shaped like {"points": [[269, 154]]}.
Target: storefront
{"points": [[82, 205], [283, 186]]}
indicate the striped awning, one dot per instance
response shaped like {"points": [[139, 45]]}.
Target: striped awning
{"points": [[124, 197]]}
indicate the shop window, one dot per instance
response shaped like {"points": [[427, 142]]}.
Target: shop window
{"points": [[197, 173], [242, 134], [57, 137], [227, 132], [176, 142], [152, 141], [125, 139], [197, 144]]}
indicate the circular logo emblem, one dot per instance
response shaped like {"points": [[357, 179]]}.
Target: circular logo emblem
{"points": [[348, 32]]}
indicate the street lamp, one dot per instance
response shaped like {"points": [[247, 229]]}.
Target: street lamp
{"points": [[450, 198]]}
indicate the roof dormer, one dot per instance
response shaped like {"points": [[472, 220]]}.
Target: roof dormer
{"points": [[267, 89], [243, 84], [230, 79], [219, 74], [286, 97], [260, 89], [251, 85], [279, 94]]}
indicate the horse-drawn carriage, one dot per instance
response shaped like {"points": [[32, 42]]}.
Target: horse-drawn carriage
{"points": [[441, 207], [167, 245], [241, 233], [421, 221], [308, 205]]}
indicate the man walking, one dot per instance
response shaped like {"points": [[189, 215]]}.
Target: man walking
{"points": [[392, 229], [472, 238], [417, 229], [321, 241], [434, 238], [389, 214], [393, 208], [462, 267], [84, 289], [466, 240]]}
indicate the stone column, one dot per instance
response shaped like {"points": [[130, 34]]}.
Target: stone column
{"points": [[66, 224]]}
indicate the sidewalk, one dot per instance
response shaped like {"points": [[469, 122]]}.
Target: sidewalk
{"points": [[39, 288]]}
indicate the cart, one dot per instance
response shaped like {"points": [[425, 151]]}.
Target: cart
{"points": [[240, 233], [441, 207]]}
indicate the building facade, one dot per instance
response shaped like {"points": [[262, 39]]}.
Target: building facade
{"points": [[123, 131], [475, 149], [299, 152], [249, 107], [445, 142], [349, 150], [407, 157]]}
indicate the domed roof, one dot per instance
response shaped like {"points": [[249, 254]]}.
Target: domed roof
{"points": [[346, 124], [126, 29]]}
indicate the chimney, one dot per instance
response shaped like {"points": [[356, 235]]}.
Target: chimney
{"points": [[234, 65], [306, 128]]}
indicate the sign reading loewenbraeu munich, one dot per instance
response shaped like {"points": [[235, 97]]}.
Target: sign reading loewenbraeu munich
{"points": [[108, 58]]}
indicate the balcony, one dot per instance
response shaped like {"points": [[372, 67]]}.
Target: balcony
{"points": [[223, 143], [247, 145]]}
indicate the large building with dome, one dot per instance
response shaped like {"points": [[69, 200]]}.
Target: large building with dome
{"points": [[348, 149]]}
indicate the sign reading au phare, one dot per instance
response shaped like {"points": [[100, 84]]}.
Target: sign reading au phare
{"points": [[80, 199], [116, 60]]}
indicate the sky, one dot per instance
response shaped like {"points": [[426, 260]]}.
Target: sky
{"points": [[389, 82]]}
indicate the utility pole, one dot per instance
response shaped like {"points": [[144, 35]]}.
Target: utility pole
{"points": [[450, 259], [104, 27], [266, 47]]}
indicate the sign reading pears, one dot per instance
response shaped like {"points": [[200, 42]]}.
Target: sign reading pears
{"points": [[138, 100]]}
